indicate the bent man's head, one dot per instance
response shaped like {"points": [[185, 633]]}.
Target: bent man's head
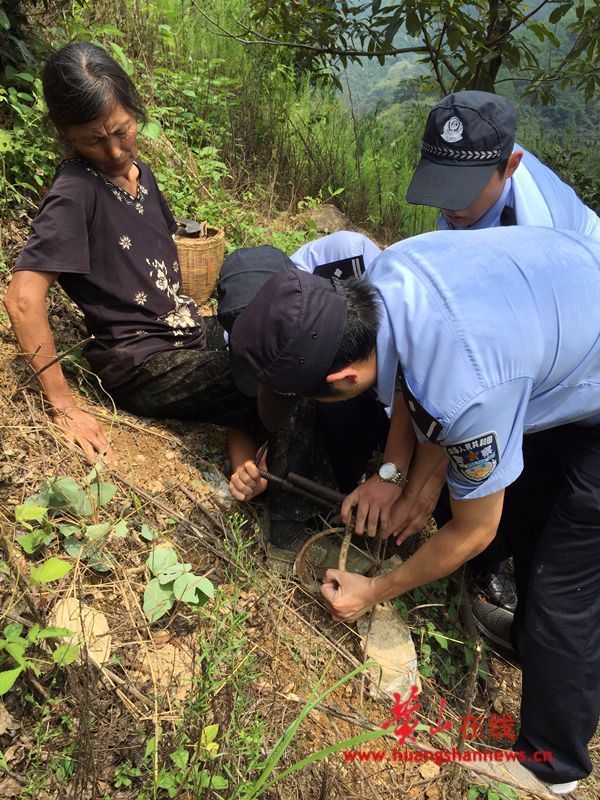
{"points": [[466, 156], [305, 336]]}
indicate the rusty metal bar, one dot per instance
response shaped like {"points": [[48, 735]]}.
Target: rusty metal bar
{"points": [[287, 486]]}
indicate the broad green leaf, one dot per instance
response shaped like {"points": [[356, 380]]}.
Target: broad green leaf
{"points": [[94, 474], [212, 749], [34, 633], [42, 498], [167, 781], [65, 654], [160, 559], [13, 631], [204, 779], [30, 542], [4, 20], [16, 650], [506, 792], [157, 600], [94, 532], [147, 533], [558, 13], [473, 793], [187, 586], [100, 560], [51, 570], [8, 678], [206, 588], [120, 529], [180, 757], [209, 734], [121, 57], [73, 546], [151, 745], [151, 129], [65, 493], [55, 633], [174, 572], [28, 512], [6, 139], [109, 30], [103, 493], [69, 530]]}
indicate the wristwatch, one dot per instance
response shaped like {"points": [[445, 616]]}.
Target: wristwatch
{"points": [[390, 473]]}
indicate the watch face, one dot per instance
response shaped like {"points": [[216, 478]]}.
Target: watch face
{"points": [[387, 471]]}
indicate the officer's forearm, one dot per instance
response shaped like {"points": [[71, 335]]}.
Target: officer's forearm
{"points": [[429, 463], [241, 447], [401, 438], [439, 556]]}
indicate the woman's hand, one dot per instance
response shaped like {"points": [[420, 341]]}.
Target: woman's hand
{"points": [[83, 429], [347, 596], [374, 500]]}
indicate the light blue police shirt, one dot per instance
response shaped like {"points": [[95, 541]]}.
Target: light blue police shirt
{"points": [[498, 334], [539, 197]]}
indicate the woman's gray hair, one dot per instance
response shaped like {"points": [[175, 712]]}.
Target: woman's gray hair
{"points": [[81, 82]]}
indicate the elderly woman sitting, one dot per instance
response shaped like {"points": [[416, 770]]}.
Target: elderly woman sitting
{"points": [[104, 232]]}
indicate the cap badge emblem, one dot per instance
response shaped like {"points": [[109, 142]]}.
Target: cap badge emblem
{"points": [[453, 130]]}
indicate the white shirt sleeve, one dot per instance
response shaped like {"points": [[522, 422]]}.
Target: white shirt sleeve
{"points": [[335, 247]]}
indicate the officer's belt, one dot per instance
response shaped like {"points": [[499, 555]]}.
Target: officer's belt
{"points": [[428, 425]]}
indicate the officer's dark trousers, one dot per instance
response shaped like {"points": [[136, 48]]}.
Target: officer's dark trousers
{"points": [[552, 519]]}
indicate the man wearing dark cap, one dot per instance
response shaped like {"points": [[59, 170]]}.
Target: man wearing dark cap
{"points": [[487, 343], [472, 170], [315, 442]]}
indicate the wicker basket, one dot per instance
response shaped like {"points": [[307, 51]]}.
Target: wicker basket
{"points": [[200, 260]]}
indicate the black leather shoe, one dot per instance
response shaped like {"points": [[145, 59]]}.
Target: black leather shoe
{"points": [[494, 622], [499, 588]]}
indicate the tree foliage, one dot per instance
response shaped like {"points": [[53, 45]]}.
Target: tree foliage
{"points": [[465, 43]]}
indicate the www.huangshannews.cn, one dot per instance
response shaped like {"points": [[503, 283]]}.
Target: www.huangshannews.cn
{"points": [[444, 756]]}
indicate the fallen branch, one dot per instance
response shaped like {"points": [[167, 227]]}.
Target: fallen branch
{"points": [[50, 363]]}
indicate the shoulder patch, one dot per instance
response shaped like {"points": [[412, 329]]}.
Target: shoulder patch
{"points": [[475, 459], [341, 269]]}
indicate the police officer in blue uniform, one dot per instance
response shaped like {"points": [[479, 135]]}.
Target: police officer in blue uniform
{"points": [[489, 343], [474, 172]]}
